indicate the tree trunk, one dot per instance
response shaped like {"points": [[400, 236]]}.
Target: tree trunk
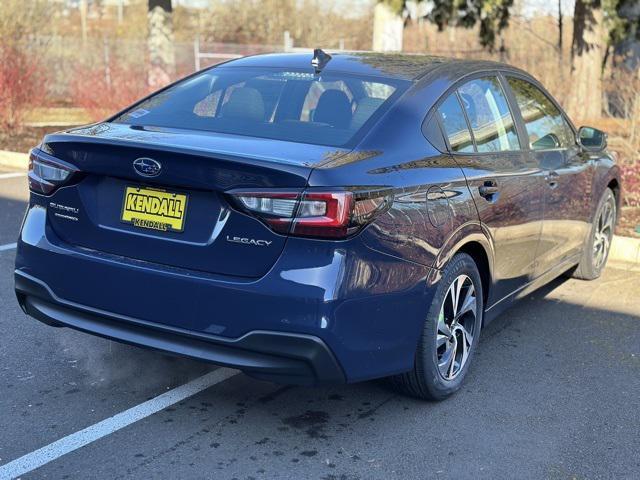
{"points": [[388, 28], [160, 43], [560, 30], [587, 50]]}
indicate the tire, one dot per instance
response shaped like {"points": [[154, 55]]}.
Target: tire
{"points": [[428, 380], [598, 244]]}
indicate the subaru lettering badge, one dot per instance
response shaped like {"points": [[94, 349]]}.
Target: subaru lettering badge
{"points": [[147, 167]]}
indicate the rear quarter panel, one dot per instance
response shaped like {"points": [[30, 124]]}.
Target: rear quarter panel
{"points": [[432, 215], [433, 210]]}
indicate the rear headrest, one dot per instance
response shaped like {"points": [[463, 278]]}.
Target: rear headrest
{"points": [[245, 103], [334, 108]]}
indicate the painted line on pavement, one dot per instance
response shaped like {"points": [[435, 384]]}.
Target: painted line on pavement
{"points": [[70, 443], [8, 246]]}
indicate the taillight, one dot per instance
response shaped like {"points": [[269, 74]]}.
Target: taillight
{"points": [[275, 209], [47, 173], [314, 213]]}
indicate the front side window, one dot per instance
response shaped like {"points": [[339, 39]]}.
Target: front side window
{"points": [[455, 125], [327, 109], [489, 116], [545, 124]]}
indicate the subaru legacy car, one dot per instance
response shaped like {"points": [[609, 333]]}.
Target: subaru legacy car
{"points": [[317, 219]]}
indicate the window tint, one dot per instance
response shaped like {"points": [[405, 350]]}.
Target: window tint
{"points": [[489, 115], [455, 125], [546, 127], [325, 109]]}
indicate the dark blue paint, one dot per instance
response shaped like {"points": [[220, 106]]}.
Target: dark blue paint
{"points": [[365, 297]]}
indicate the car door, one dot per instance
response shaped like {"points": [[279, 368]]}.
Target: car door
{"points": [[505, 182], [567, 189]]}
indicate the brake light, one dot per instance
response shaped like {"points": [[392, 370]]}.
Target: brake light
{"points": [[47, 173], [331, 220], [314, 213]]}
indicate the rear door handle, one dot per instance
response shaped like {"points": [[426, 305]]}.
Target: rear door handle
{"points": [[489, 188]]}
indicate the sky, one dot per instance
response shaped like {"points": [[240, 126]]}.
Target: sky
{"points": [[531, 7]]}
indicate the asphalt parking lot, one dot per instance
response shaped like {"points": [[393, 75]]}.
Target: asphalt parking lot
{"points": [[553, 393]]}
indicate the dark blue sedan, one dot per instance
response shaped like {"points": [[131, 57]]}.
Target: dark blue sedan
{"points": [[317, 220]]}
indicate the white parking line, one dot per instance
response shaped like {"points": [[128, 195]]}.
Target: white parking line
{"points": [[12, 175], [8, 246], [55, 450]]}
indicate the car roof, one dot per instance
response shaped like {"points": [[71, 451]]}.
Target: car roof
{"points": [[390, 65]]}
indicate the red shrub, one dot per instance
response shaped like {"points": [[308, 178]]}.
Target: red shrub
{"points": [[21, 87], [104, 91], [631, 183]]}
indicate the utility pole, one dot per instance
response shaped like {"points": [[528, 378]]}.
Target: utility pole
{"points": [[120, 11], [83, 21]]}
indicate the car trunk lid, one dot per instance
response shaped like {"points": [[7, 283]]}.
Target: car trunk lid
{"points": [[179, 217]]}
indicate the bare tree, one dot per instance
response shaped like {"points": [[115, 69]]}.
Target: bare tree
{"points": [[491, 15], [587, 51], [160, 43], [560, 29], [388, 26]]}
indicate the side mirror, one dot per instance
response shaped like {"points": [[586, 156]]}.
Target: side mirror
{"points": [[592, 139]]}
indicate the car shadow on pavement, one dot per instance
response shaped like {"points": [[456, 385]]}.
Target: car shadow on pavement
{"points": [[543, 370]]}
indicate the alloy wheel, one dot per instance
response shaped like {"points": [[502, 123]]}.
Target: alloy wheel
{"points": [[604, 232], [456, 327]]}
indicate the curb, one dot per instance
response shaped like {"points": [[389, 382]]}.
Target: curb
{"points": [[625, 250], [14, 160]]}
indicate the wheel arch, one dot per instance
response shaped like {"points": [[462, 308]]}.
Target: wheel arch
{"points": [[614, 185], [607, 175], [480, 256], [472, 240]]}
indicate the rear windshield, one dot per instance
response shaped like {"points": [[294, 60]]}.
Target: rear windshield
{"points": [[325, 109]]}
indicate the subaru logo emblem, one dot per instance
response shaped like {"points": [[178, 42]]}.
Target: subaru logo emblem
{"points": [[147, 167]]}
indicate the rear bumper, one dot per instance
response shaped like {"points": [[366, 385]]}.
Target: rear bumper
{"points": [[276, 356], [321, 303]]}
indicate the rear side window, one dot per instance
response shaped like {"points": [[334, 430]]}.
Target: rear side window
{"points": [[327, 109], [455, 125], [545, 124], [489, 116]]}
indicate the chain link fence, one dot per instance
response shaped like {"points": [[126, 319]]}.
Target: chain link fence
{"points": [[65, 60]]}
